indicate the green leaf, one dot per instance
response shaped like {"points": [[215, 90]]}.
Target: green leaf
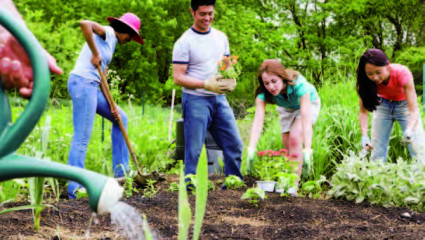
{"points": [[185, 214], [201, 193]]}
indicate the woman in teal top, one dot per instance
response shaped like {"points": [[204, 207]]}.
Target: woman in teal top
{"points": [[298, 105]]}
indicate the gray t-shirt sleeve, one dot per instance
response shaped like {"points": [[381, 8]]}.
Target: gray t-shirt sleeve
{"points": [[181, 52]]}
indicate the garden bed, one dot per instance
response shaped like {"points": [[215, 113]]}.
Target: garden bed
{"points": [[228, 217]]}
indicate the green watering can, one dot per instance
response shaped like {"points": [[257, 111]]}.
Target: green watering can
{"points": [[104, 192]]}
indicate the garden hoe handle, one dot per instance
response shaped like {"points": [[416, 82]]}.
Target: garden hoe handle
{"points": [[105, 89]]}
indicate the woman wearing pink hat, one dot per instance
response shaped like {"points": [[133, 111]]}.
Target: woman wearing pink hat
{"points": [[87, 98]]}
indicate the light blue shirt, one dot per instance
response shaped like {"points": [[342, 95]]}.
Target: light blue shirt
{"points": [[83, 67], [294, 93]]}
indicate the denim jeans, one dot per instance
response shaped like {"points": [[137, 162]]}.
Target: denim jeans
{"points": [[213, 113], [386, 113], [87, 100]]}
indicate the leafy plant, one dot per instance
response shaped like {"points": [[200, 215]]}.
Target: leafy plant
{"points": [[312, 188], [254, 195], [150, 189], [234, 182], [270, 164], [386, 184], [229, 68], [285, 181], [201, 180], [173, 187]]}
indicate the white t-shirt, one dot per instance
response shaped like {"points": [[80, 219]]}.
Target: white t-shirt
{"points": [[83, 67], [201, 52]]}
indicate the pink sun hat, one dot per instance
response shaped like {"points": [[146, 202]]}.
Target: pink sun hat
{"points": [[133, 22]]}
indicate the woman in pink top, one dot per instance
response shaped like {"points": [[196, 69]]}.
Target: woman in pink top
{"points": [[388, 91]]}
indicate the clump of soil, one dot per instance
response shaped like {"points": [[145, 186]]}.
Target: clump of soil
{"points": [[227, 217]]}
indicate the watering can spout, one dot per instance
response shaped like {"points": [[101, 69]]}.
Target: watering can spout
{"points": [[104, 192]]}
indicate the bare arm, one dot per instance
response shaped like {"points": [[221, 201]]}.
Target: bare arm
{"points": [[363, 119], [15, 67], [306, 120], [257, 125], [181, 79], [88, 28], [412, 104]]}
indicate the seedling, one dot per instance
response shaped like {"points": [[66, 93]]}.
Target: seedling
{"points": [[254, 195], [150, 190], [234, 182]]}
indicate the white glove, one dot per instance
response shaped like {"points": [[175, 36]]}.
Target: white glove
{"points": [[408, 136], [214, 85], [307, 153], [250, 159], [229, 84], [365, 142]]}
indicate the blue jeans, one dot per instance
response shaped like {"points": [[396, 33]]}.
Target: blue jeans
{"points": [[213, 113], [87, 100], [386, 113]]}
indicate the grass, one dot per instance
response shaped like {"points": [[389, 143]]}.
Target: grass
{"points": [[335, 133]]}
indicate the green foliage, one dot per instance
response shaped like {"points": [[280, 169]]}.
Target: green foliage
{"points": [[389, 184], [185, 214], [234, 182], [254, 195], [312, 189], [150, 189], [269, 164], [173, 187], [201, 193]]}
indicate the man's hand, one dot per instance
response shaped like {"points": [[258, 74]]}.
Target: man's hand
{"points": [[215, 85], [15, 66], [229, 84]]}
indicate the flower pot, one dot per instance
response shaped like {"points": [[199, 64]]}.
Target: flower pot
{"points": [[267, 186], [279, 188]]}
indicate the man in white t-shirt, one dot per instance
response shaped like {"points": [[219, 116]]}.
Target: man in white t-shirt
{"points": [[205, 107]]}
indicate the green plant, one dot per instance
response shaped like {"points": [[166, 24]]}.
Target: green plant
{"points": [[234, 182], [254, 195], [285, 181], [312, 188], [386, 184], [173, 187], [270, 164], [201, 199], [150, 189], [211, 186]]}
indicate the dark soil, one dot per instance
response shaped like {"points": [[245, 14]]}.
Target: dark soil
{"points": [[228, 217]]}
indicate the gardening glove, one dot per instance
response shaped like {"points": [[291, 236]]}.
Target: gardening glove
{"points": [[365, 142], [408, 136], [307, 155], [230, 84], [250, 159], [214, 85]]}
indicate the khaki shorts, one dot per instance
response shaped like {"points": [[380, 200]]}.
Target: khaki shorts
{"points": [[288, 115]]}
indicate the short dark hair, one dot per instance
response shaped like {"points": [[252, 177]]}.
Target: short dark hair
{"points": [[194, 4], [121, 27], [367, 90]]}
